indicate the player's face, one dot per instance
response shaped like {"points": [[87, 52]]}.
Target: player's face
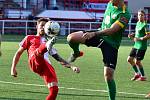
{"points": [[141, 16], [40, 28]]}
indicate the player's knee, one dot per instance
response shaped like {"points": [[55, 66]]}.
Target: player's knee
{"points": [[108, 77], [138, 63], [69, 38], [108, 74], [129, 60]]}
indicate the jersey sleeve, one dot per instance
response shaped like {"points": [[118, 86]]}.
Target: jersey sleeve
{"points": [[122, 20], [53, 51], [24, 43], [147, 31]]}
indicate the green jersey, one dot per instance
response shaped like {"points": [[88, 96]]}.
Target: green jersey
{"points": [[140, 31], [120, 16]]}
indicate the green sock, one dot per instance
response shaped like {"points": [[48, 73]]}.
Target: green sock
{"points": [[75, 47], [142, 71], [135, 68], [111, 89]]}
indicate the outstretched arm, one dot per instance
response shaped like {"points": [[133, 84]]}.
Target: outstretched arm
{"points": [[115, 27], [65, 63], [146, 37], [108, 31], [15, 61]]}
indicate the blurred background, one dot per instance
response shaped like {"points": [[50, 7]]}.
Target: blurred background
{"points": [[18, 16]]}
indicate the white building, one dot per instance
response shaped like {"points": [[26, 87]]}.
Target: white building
{"points": [[135, 5]]}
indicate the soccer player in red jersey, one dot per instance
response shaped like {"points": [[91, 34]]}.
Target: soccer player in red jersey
{"points": [[37, 48]]}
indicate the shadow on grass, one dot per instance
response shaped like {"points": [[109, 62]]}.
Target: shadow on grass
{"points": [[7, 98], [24, 91], [70, 94], [132, 97], [104, 96]]}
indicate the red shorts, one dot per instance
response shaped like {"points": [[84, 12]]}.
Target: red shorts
{"points": [[40, 66]]}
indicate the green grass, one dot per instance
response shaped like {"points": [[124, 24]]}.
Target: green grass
{"points": [[72, 86]]}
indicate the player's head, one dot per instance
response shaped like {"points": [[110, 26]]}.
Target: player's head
{"points": [[141, 15], [40, 25], [117, 1]]}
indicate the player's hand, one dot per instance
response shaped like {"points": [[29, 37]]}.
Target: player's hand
{"points": [[147, 96], [88, 35], [75, 69], [131, 35], [14, 73]]}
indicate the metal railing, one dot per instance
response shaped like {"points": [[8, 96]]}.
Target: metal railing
{"points": [[26, 27]]}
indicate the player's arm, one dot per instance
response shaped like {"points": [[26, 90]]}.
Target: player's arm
{"points": [[65, 63], [119, 24], [109, 31], [115, 27], [146, 37], [61, 60], [131, 36], [15, 61]]}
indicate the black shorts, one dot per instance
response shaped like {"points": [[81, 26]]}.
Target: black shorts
{"points": [[137, 54], [109, 53]]}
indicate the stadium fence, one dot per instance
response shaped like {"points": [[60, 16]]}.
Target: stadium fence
{"points": [[26, 27]]}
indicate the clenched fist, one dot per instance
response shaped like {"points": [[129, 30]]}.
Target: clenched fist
{"points": [[75, 69]]}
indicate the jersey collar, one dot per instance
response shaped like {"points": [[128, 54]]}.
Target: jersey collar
{"points": [[123, 7]]}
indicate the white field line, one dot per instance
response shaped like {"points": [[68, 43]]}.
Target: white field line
{"points": [[90, 90]]}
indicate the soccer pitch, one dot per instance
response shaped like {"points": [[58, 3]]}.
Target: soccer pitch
{"points": [[87, 85]]}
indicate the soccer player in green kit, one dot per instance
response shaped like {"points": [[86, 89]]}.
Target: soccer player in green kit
{"points": [[108, 39], [140, 46]]}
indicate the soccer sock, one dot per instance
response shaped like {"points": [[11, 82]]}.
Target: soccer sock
{"points": [[111, 89], [142, 71], [53, 91], [75, 47], [135, 68]]}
